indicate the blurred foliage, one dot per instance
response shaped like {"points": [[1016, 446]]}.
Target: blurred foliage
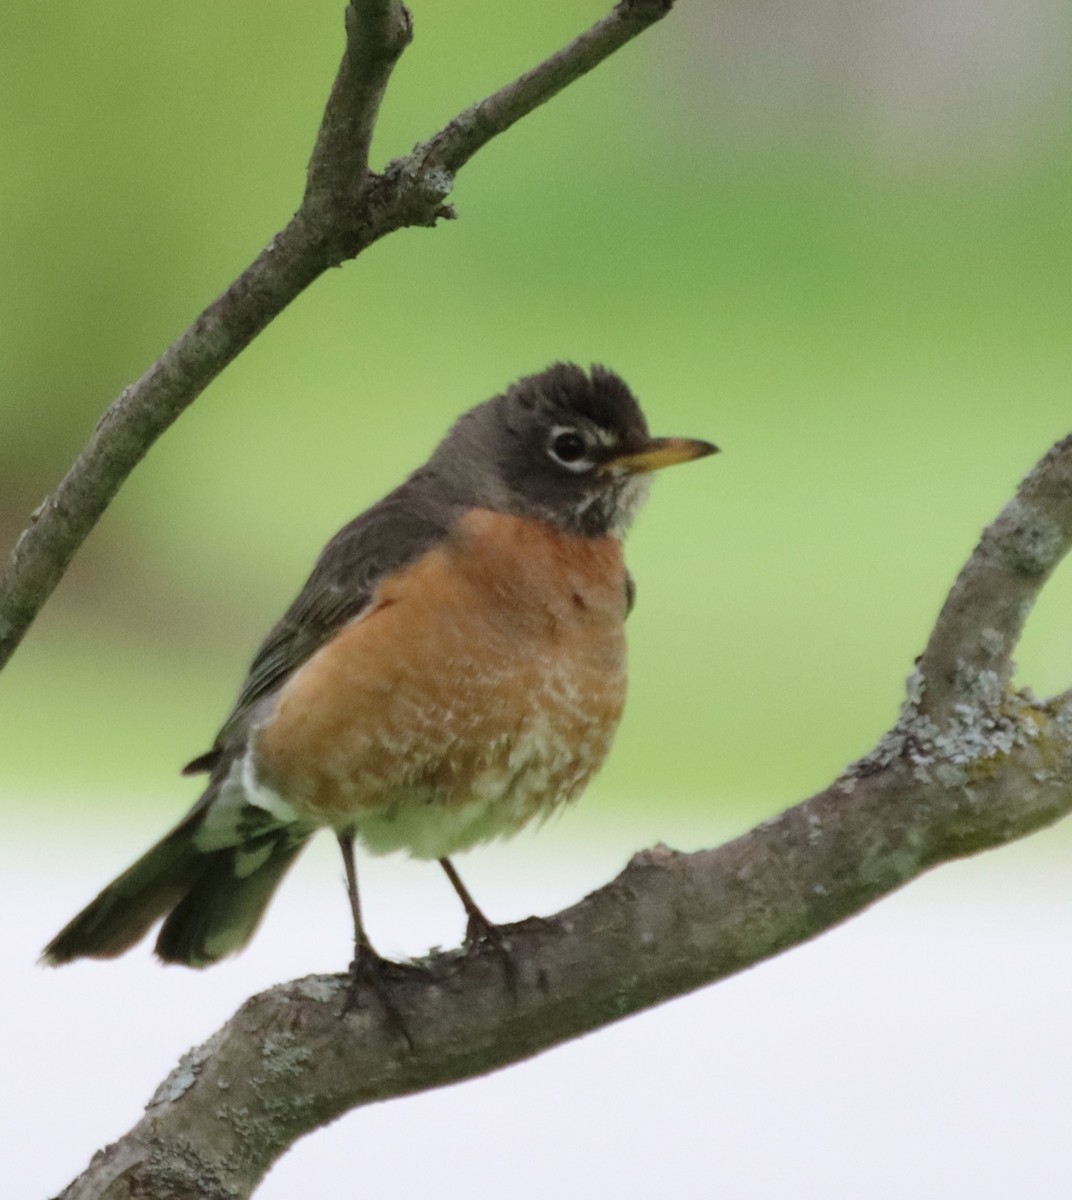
{"points": [[876, 335]]}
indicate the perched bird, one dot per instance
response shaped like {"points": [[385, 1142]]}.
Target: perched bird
{"points": [[453, 668]]}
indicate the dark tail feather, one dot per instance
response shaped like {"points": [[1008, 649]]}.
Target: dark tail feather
{"points": [[222, 909], [215, 899], [122, 914]]}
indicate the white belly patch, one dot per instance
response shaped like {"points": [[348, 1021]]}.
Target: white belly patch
{"points": [[541, 771]]}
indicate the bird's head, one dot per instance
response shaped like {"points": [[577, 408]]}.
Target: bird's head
{"points": [[565, 446]]}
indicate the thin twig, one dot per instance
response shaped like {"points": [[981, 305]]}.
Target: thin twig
{"points": [[454, 145]]}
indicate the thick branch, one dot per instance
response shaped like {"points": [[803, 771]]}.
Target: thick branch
{"points": [[344, 210], [290, 1060]]}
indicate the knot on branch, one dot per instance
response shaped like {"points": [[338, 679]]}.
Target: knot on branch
{"points": [[404, 195], [987, 722], [411, 192], [659, 855]]}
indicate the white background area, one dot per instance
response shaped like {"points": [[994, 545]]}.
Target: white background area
{"points": [[923, 1049]]}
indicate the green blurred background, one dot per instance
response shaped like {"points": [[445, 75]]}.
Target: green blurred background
{"points": [[832, 237], [835, 242]]}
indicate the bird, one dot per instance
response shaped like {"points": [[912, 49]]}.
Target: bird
{"points": [[453, 669]]}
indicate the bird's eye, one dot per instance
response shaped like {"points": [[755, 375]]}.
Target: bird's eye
{"points": [[568, 447]]}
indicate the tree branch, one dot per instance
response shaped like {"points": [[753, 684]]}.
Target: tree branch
{"points": [[982, 620], [377, 32], [469, 132], [344, 210], [968, 766]]}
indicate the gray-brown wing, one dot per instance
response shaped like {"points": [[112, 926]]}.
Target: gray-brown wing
{"points": [[385, 538]]}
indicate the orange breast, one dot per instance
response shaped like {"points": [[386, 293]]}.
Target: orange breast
{"points": [[483, 687]]}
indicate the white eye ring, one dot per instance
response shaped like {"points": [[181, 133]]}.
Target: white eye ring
{"points": [[570, 448]]}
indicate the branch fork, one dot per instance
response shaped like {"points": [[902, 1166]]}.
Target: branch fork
{"points": [[344, 210]]}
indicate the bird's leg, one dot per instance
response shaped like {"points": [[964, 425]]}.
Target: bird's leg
{"points": [[368, 965], [478, 928], [362, 945]]}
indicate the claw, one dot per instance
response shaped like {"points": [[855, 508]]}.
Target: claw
{"points": [[369, 969]]}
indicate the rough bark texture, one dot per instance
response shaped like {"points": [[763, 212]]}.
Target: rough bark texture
{"points": [[969, 765]]}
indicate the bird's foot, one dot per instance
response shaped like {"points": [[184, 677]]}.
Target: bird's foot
{"points": [[480, 932], [370, 970]]}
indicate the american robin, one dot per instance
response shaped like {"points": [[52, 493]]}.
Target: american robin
{"points": [[453, 668]]}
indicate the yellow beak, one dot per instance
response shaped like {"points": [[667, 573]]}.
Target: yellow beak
{"points": [[662, 452]]}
